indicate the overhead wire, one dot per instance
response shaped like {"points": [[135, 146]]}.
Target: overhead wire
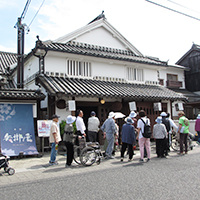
{"points": [[36, 12], [173, 10], [183, 6], [25, 9]]}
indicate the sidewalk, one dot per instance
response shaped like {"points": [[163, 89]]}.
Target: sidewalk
{"points": [[30, 169]]}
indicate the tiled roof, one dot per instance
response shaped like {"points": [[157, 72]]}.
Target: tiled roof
{"points": [[20, 94], [192, 97], [7, 59], [100, 51], [96, 88]]}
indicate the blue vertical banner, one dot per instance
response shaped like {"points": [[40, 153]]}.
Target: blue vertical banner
{"points": [[17, 129]]}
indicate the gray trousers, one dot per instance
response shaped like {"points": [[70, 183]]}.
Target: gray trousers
{"points": [[110, 139], [92, 136]]}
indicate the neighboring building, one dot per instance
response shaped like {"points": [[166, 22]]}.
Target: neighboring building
{"points": [[10, 95], [191, 60], [102, 71]]}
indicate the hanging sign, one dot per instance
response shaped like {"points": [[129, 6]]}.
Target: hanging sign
{"points": [[71, 105], [157, 106], [132, 106], [17, 129]]}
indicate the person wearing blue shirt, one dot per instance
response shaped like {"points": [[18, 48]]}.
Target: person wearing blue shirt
{"points": [[109, 131], [128, 138]]}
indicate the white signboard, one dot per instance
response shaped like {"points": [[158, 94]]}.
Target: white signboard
{"points": [[157, 106], [180, 106], [71, 105], [43, 127], [132, 106]]}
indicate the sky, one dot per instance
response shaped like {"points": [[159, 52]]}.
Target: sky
{"points": [[153, 30]]}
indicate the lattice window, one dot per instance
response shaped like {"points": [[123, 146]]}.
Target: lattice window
{"points": [[77, 68], [135, 74]]}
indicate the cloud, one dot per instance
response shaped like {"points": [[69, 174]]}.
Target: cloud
{"points": [[8, 49]]}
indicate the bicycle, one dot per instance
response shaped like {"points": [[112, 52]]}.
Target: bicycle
{"points": [[175, 142]]}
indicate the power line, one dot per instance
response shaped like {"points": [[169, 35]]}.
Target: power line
{"points": [[37, 12], [25, 9], [183, 6], [173, 10]]}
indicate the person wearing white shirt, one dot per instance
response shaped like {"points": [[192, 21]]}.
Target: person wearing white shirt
{"points": [[80, 126], [143, 142]]}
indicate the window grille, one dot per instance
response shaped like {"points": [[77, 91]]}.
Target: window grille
{"points": [[135, 74], [77, 68]]}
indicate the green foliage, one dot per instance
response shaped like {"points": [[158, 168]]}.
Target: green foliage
{"points": [[62, 127], [74, 126]]}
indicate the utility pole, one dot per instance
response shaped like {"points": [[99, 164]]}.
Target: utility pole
{"points": [[20, 54], [20, 47]]}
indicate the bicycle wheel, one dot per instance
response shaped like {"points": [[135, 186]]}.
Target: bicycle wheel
{"points": [[77, 152], [175, 145], [88, 156]]}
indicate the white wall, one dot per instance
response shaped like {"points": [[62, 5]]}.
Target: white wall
{"points": [[55, 64], [100, 67], [150, 75], [108, 70], [101, 37], [63, 113], [169, 70], [31, 67]]}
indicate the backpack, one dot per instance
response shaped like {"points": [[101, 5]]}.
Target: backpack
{"points": [[186, 121], [166, 122], [147, 130]]}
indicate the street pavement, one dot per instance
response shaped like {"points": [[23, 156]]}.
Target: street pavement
{"points": [[35, 169]]}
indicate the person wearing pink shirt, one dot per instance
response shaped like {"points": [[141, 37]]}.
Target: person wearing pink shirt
{"points": [[197, 128]]}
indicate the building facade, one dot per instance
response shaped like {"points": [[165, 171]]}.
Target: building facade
{"points": [[102, 71], [191, 60]]}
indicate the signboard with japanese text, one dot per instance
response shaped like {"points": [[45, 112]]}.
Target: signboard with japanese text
{"points": [[71, 105], [132, 106], [157, 106], [17, 129], [43, 127]]}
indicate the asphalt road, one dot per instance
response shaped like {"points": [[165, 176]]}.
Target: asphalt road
{"points": [[177, 177]]}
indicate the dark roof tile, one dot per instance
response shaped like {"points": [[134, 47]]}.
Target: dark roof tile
{"points": [[96, 88], [7, 59], [20, 94], [100, 51]]}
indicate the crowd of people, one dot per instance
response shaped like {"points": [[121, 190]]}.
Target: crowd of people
{"points": [[133, 130]]}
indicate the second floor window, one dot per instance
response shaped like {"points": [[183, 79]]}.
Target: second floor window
{"points": [[135, 74], [77, 68], [172, 77]]}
